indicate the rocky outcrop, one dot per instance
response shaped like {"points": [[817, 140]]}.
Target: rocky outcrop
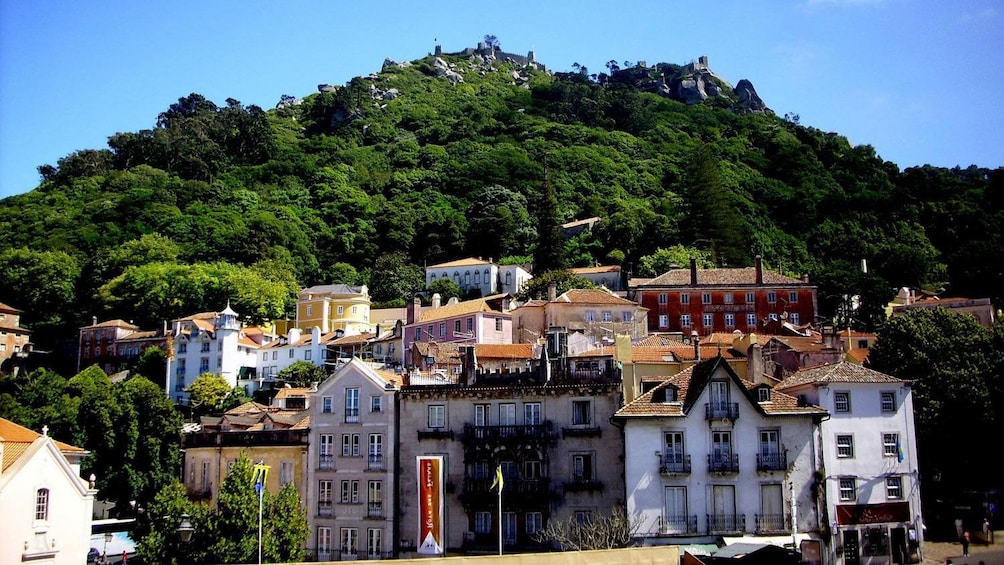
{"points": [[748, 99]]}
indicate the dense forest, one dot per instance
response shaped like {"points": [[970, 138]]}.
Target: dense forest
{"points": [[369, 181]]}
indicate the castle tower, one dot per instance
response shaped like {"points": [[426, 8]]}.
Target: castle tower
{"points": [[439, 50]]}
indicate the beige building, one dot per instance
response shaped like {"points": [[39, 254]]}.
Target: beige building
{"points": [[597, 314], [46, 505], [334, 307], [352, 493], [548, 431], [13, 338]]}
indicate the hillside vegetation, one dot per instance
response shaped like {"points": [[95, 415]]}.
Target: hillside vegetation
{"points": [[369, 181]]}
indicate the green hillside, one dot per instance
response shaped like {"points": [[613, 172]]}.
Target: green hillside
{"points": [[369, 181]]}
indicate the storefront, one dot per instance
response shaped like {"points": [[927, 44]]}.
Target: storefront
{"points": [[876, 534]]}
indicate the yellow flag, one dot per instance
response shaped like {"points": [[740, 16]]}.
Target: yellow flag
{"points": [[259, 474], [499, 481]]}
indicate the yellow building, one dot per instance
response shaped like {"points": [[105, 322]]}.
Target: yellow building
{"points": [[276, 436], [334, 307]]}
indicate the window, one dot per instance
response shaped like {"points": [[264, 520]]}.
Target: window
{"points": [[482, 522], [582, 412], [590, 316], [355, 309], [626, 316], [350, 445], [663, 298], [442, 329], [350, 492], [673, 457], [264, 356], [706, 298], [327, 404], [374, 498], [470, 324], [456, 326], [534, 522], [795, 320], [507, 414], [42, 504], [350, 537], [376, 404], [205, 347], [751, 319], [531, 413], [324, 544], [606, 316], [772, 316], [730, 320], [663, 321], [204, 365], [477, 277], [482, 414], [728, 298], [183, 347], [437, 416], [498, 324], [275, 355], [708, 320], [310, 310], [890, 445], [888, 401], [845, 446], [894, 488], [430, 331], [842, 401], [327, 451], [771, 297], [376, 450], [684, 298], [763, 394], [583, 516], [509, 527], [285, 473], [374, 543], [848, 488], [582, 466], [684, 321], [341, 310], [531, 470], [792, 297], [306, 355], [352, 405], [324, 498], [750, 298]]}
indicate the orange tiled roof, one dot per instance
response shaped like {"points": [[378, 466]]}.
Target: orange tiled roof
{"points": [[503, 350], [390, 377], [595, 270], [287, 392], [17, 438], [842, 372], [468, 262], [9, 309], [353, 339], [458, 309], [723, 276], [112, 324], [593, 296], [859, 355], [443, 353]]}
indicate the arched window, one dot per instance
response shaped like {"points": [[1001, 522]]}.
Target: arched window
{"points": [[433, 276], [508, 279], [467, 278], [42, 504], [477, 277], [456, 277]]}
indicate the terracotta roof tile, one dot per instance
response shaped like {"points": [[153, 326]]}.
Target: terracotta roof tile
{"points": [[458, 309], [112, 324], [593, 296], [842, 372], [288, 392], [726, 276], [468, 262], [9, 309], [503, 350], [595, 270], [17, 439], [352, 339]]}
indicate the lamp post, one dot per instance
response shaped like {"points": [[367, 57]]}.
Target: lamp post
{"points": [[185, 531], [104, 554]]}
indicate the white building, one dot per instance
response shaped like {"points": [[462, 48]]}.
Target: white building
{"points": [[486, 276], [275, 356], [211, 342], [46, 505], [351, 467], [872, 486], [708, 453]]}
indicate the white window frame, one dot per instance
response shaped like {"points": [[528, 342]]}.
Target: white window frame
{"points": [[888, 401], [842, 401], [847, 489], [890, 444], [894, 487], [437, 416], [845, 446]]}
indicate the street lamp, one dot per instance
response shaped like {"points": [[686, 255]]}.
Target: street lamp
{"points": [[108, 538], [185, 529]]}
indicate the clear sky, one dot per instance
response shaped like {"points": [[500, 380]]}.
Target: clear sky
{"points": [[919, 80]]}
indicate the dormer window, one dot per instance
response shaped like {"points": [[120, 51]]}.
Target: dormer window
{"points": [[763, 394]]}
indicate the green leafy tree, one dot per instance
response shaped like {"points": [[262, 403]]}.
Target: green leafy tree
{"points": [[394, 278], [343, 273], [152, 364], [208, 392], [500, 219], [302, 374], [446, 288], [665, 258], [156, 530], [41, 284], [538, 287], [38, 399], [548, 253]]}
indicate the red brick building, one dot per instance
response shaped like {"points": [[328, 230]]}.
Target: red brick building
{"points": [[747, 299]]}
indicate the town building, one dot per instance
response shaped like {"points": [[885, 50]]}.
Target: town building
{"points": [[211, 342], [274, 435], [97, 344], [467, 322], [13, 338], [475, 275], [597, 315], [46, 505], [749, 299], [609, 277], [908, 299], [869, 478], [710, 454], [352, 471], [334, 307], [546, 429], [280, 353]]}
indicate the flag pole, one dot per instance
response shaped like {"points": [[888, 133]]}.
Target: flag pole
{"points": [[500, 518], [261, 495]]}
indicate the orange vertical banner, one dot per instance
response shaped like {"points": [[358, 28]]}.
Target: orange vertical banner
{"points": [[430, 504]]}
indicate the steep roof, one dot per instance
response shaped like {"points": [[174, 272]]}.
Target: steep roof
{"points": [[691, 382], [353, 339], [720, 276], [842, 372], [443, 353], [8, 309], [17, 439]]}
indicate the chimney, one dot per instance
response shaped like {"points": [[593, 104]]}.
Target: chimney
{"points": [[552, 292], [377, 334], [437, 300], [695, 339], [414, 309], [754, 363], [693, 271], [759, 270], [94, 320]]}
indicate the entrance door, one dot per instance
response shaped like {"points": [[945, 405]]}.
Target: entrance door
{"points": [[675, 513], [852, 551], [724, 509]]}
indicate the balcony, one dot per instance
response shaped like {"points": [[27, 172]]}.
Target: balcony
{"points": [[582, 484], [671, 463], [721, 411], [247, 439], [326, 462], [474, 435], [375, 462], [726, 523], [374, 510], [723, 463], [324, 508], [771, 523], [772, 461], [678, 525], [581, 432], [435, 433], [512, 485]]}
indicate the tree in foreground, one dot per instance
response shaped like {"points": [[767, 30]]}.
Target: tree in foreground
{"points": [[302, 374], [537, 287], [211, 394], [610, 531]]}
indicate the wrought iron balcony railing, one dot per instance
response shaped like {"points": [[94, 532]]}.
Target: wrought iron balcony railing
{"points": [[673, 463], [726, 523], [772, 461], [723, 463], [771, 523], [721, 411]]}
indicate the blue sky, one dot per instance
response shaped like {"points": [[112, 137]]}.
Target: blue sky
{"points": [[919, 80]]}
